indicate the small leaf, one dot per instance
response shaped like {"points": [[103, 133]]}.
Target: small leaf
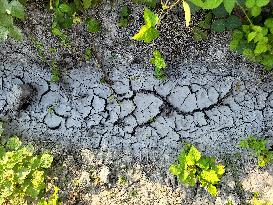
{"points": [[3, 36], [14, 143], [269, 23], [187, 12], [15, 33], [256, 11], [17, 9], [151, 19], [86, 4], [233, 22], [193, 156], [93, 25], [46, 160], [65, 8], [262, 3], [220, 11], [212, 190], [147, 34], [218, 25], [229, 5], [250, 3], [210, 176], [174, 169]]}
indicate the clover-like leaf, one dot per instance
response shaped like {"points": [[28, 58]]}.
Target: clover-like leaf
{"points": [[13, 143]]}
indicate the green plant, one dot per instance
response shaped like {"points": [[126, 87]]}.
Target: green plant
{"points": [[256, 201], [9, 11], [22, 173], [87, 54], [159, 64], [93, 25], [124, 16], [258, 146], [194, 169], [53, 199], [148, 32]]}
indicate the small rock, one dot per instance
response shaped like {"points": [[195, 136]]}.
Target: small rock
{"points": [[104, 175]]}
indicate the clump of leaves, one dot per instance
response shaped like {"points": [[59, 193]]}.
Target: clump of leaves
{"points": [[192, 168], [159, 64], [8, 11], [258, 147], [53, 199], [148, 32], [93, 25], [256, 201], [255, 6], [124, 16], [22, 173]]}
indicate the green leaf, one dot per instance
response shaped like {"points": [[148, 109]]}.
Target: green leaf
{"points": [[220, 170], [17, 9], [262, 3], [220, 11], [159, 64], [3, 36], [147, 34], [233, 22], [174, 169], [15, 33], [210, 176], [207, 4], [256, 11], [86, 4], [46, 160], [229, 5], [250, 3], [13, 143], [193, 156], [205, 24], [151, 19], [4, 5], [65, 8], [268, 61], [199, 34], [212, 190], [93, 25], [218, 25], [261, 47]]}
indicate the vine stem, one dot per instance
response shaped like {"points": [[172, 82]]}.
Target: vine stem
{"points": [[244, 12]]}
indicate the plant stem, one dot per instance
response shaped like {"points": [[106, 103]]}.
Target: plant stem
{"points": [[244, 13]]}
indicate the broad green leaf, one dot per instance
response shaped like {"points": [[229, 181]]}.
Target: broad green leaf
{"points": [[46, 160], [147, 34], [86, 4], [3, 36], [268, 61], [174, 169], [17, 9], [15, 33], [212, 190], [233, 22], [187, 12], [65, 8], [256, 11], [250, 3], [207, 4], [210, 176], [218, 25], [220, 11], [193, 156], [220, 169], [4, 5], [229, 5], [93, 25], [251, 36], [261, 47], [151, 19], [262, 3], [14, 143]]}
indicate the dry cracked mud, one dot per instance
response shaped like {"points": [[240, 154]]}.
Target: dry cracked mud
{"points": [[212, 99]]}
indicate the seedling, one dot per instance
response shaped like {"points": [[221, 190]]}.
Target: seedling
{"points": [[193, 169], [258, 147], [92, 25], [159, 64]]}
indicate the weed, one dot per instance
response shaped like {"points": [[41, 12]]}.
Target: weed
{"points": [[159, 64], [93, 25], [124, 17], [87, 54], [22, 175], [122, 180], [258, 147], [194, 169]]}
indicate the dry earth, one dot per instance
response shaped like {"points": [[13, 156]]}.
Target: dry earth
{"points": [[114, 141]]}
